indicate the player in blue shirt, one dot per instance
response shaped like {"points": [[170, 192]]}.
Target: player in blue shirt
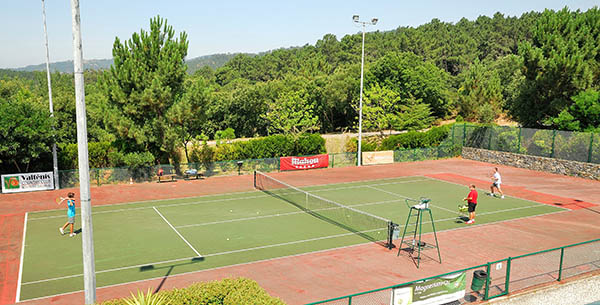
{"points": [[70, 213]]}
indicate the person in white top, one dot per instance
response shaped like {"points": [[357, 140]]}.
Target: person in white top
{"points": [[496, 181]]}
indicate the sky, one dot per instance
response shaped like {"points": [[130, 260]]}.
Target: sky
{"points": [[226, 26]]}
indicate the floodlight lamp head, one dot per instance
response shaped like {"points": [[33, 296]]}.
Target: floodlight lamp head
{"points": [[355, 18], [374, 21]]}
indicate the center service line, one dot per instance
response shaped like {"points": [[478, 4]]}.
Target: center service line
{"points": [[172, 227]]}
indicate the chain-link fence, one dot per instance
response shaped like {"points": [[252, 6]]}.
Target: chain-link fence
{"points": [[567, 145], [101, 176], [429, 153], [494, 279]]}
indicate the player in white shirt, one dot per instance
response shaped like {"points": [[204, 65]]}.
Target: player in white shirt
{"points": [[497, 180]]}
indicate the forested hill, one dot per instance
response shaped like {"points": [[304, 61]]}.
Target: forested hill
{"points": [[539, 69], [67, 66], [213, 61], [452, 47]]}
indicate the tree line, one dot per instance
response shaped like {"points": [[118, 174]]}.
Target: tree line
{"points": [[540, 69]]}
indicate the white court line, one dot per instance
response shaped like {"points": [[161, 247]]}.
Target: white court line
{"points": [[333, 236], [483, 190], [172, 227], [225, 199], [288, 243], [224, 194], [208, 255], [493, 212], [18, 296], [398, 195], [281, 214], [259, 261]]}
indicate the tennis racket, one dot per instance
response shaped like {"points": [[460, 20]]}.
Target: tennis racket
{"points": [[58, 200]]}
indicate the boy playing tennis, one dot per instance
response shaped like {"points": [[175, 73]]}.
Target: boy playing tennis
{"points": [[472, 202], [496, 181], [70, 213]]}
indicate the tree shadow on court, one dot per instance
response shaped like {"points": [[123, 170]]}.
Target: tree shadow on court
{"points": [[329, 220], [577, 201], [169, 269]]}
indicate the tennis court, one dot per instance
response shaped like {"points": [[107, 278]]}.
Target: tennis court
{"points": [[152, 239]]}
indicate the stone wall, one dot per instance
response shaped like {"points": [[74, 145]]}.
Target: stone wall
{"points": [[555, 166]]}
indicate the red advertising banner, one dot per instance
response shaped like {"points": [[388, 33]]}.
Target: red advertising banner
{"points": [[295, 163]]}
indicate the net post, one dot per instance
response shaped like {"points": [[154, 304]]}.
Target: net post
{"points": [[254, 178], [390, 237]]}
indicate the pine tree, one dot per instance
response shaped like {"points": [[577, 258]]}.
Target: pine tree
{"points": [[144, 82]]}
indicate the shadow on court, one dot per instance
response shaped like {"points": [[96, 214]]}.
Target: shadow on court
{"points": [[169, 269]]}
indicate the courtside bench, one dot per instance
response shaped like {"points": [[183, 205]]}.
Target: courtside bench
{"points": [[166, 178], [192, 174]]}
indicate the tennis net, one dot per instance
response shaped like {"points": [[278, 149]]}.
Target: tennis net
{"points": [[372, 227]]}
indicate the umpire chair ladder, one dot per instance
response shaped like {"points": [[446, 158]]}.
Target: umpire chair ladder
{"points": [[418, 208]]}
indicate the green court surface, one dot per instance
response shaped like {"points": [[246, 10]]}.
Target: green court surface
{"points": [[144, 240]]}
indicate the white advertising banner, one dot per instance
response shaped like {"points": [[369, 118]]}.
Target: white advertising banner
{"points": [[378, 157], [27, 182]]}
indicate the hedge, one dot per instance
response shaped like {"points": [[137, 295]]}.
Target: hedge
{"points": [[412, 139], [268, 147], [415, 139], [239, 291]]}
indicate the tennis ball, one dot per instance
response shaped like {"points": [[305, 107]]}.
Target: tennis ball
{"points": [[230, 210], [228, 239]]}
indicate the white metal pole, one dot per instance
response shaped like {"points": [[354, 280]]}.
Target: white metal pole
{"points": [[362, 67], [54, 157], [87, 236]]}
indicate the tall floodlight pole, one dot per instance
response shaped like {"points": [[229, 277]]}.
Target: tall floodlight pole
{"points": [[373, 21], [54, 158], [87, 236]]}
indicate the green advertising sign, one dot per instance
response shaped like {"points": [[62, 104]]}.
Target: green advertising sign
{"points": [[440, 290], [11, 182]]}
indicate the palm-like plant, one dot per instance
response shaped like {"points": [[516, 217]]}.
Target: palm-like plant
{"points": [[147, 299]]}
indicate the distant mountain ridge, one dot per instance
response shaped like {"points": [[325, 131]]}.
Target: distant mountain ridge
{"points": [[214, 61]]}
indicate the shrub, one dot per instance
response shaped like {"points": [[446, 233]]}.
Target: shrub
{"points": [[138, 160], [240, 291], [367, 144], [416, 139], [310, 144], [100, 154], [267, 147]]}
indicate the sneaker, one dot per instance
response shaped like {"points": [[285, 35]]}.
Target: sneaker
{"points": [[502, 196], [72, 234], [62, 232], [491, 194], [470, 221]]}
